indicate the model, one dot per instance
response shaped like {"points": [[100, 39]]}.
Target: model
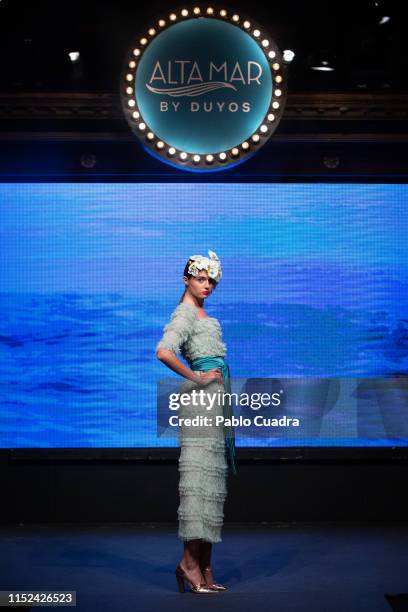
{"points": [[204, 450]]}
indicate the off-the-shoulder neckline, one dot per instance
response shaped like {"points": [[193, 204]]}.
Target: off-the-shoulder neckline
{"points": [[195, 307]]}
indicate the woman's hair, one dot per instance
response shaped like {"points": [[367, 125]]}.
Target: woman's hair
{"points": [[187, 273]]}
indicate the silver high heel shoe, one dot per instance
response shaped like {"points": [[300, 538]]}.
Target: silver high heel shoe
{"points": [[214, 586], [195, 588]]}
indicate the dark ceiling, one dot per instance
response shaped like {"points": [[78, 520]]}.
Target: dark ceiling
{"points": [[36, 37]]}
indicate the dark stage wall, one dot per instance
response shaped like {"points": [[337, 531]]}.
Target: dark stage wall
{"points": [[146, 491]]}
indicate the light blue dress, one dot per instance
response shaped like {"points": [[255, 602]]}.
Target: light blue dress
{"points": [[202, 463]]}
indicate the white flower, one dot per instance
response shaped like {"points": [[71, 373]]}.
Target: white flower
{"points": [[192, 269], [212, 265], [200, 261], [213, 270]]}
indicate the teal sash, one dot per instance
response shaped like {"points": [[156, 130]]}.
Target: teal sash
{"points": [[208, 363]]}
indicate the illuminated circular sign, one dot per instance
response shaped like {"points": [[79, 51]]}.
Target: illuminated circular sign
{"points": [[203, 89]]}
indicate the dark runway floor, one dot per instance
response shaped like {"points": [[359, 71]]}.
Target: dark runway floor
{"points": [[319, 567]]}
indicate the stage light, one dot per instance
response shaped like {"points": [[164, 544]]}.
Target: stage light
{"points": [[324, 66], [209, 159], [321, 61], [263, 129], [222, 156], [136, 52], [271, 54], [271, 117], [223, 13], [150, 136], [235, 18], [160, 144], [74, 56], [129, 90], [132, 64], [278, 92], [256, 33], [275, 66], [131, 103], [171, 151], [184, 13], [275, 104], [183, 156], [142, 126], [136, 115], [210, 10], [245, 146], [196, 159], [173, 17], [255, 137], [143, 41], [247, 25], [278, 79], [152, 32], [162, 23], [265, 43], [235, 152], [196, 10], [88, 160], [129, 77], [331, 161], [288, 55], [384, 19]]}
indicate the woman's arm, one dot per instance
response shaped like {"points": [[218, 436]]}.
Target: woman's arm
{"points": [[174, 363], [175, 333]]}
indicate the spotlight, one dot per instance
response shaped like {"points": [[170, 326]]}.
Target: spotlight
{"points": [[88, 160], [288, 55], [74, 56], [324, 66], [321, 62], [331, 161]]}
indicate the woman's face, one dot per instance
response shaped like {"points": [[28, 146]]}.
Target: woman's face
{"points": [[200, 286]]}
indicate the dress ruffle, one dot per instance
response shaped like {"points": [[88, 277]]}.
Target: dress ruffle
{"points": [[202, 488]]}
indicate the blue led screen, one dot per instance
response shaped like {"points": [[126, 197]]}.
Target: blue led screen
{"points": [[314, 284]]}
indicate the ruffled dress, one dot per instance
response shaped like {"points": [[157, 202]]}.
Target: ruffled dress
{"points": [[202, 462]]}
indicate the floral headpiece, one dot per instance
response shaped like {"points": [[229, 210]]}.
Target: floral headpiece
{"points": [[211, 264]]}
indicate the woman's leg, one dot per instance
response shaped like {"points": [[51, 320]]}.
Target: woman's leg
{"points": [[205, 561], [205, 554], [191, 561]]}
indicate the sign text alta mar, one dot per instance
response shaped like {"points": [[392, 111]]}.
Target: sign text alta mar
{"points": [[187, 79]]}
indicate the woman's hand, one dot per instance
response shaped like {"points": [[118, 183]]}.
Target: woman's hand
{"points": [[212, 375]]}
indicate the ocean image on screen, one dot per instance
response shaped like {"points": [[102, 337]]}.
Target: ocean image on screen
{"points": [[314, 286]]}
